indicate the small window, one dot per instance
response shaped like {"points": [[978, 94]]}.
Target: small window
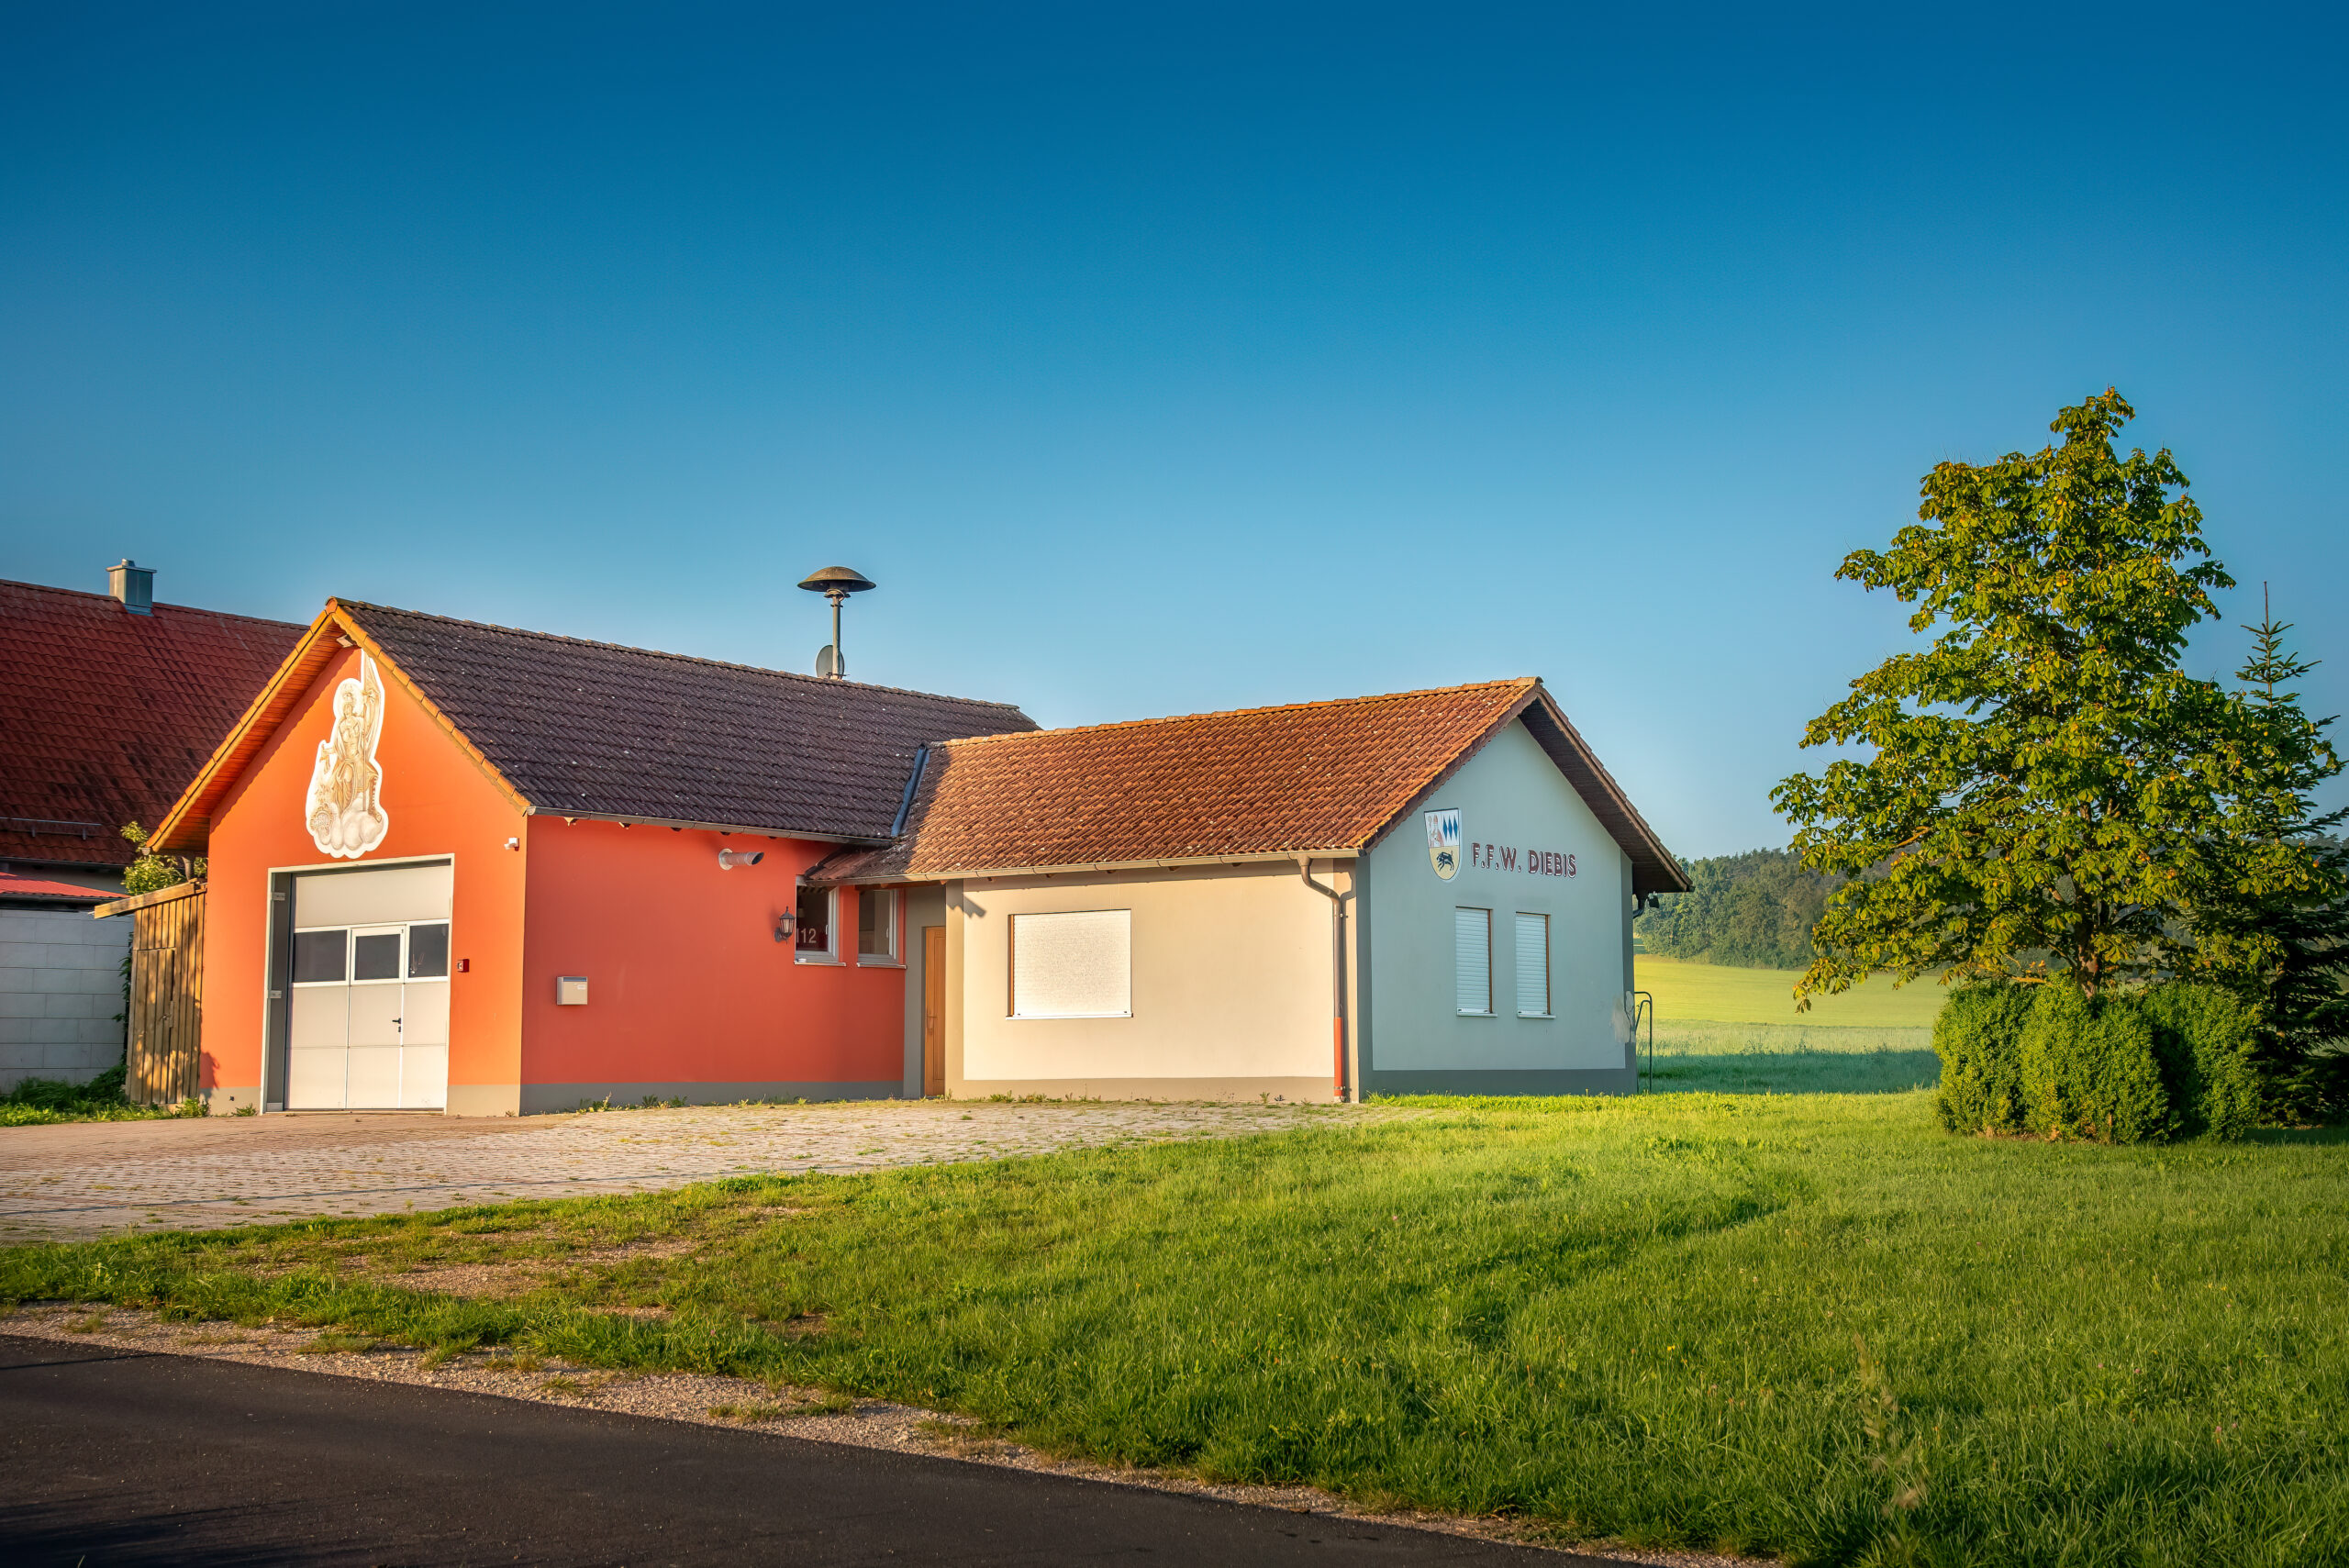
{"points": [[1472, 956], [876, 925], [1533, 966], [1077, 965], [427, 952], [814, 940], [318, 956], [375, 956]]}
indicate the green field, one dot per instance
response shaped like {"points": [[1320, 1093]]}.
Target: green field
{"points": [[1813, 1326], [1716, 994], [1781, 1059]]}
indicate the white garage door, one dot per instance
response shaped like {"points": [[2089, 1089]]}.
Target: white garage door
{"points": [[369, 1026]]}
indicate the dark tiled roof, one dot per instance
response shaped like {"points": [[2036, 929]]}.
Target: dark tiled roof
{"points": [[105, 715], [590, 729], [1311, 777]]}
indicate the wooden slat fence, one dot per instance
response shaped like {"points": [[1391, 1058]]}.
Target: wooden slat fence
{"points": [[166, 993]]}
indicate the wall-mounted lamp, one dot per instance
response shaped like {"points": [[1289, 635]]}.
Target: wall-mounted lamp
{"points": [[783, 923], [513, 844], [729, 858]]}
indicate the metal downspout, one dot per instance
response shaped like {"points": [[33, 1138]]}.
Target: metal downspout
{"points": [[1337, 973]]}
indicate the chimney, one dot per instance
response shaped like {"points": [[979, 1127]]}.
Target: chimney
{"points": [[134, 584]]}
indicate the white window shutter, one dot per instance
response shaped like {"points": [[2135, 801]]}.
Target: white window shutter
{"points": [[1077, 965], [1533, 966], [1471, 947]]}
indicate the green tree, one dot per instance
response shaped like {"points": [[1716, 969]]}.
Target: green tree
{"points": [[1754, 910], [150, 871], [2046, 796]]}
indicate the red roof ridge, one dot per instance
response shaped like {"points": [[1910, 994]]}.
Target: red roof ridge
{"points": [[827, 682], [159, 604], [1517, 684]]}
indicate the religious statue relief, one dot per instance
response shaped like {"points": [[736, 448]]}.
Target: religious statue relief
{"points": [[345, 806]]}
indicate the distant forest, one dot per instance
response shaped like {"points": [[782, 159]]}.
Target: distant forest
{"points": [[1753, 911]]}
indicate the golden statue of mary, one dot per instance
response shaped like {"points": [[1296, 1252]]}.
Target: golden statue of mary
{"points": [[345, 806]]}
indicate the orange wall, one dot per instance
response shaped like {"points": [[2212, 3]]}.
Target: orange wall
{"points": [[441, 803], [685, 982]]}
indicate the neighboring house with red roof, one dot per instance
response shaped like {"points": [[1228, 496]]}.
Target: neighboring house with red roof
{"points": [[499, 872], [108, 705], [1426, 891]]}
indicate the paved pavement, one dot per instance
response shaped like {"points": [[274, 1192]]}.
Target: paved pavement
{"points": [[112, 1456], [86, 1179]]}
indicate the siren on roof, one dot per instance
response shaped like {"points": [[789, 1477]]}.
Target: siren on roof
{"points": [[836, 583]]}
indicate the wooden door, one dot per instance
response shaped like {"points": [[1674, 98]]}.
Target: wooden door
{"points": [[933, 1010]]}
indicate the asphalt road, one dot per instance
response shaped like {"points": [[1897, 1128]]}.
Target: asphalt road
{"points": [[115, 1457]]}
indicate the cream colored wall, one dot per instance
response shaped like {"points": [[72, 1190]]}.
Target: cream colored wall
{"points": [[1231, 987], [1507, 794]]}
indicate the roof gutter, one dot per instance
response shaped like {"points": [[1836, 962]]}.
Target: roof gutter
{"points": [[1263, 857], [630, 820]]}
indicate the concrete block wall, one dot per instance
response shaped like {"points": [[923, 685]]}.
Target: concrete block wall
{"points": [[60, 987]]}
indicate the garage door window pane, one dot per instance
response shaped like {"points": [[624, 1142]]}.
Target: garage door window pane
{"points": [[1472, 954], [1533, 966], [427, 952], [376, 957], [317, 956], [1078, 965]]}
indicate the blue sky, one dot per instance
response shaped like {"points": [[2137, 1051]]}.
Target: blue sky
{"points": [[1156, 361]]}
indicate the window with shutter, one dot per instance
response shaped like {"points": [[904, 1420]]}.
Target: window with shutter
{"points": [[1472, 950], [1077, 965], [1533, 966]]}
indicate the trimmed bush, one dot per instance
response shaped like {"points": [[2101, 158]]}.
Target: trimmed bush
{"points": [[1978, 1038], [2090, 1069], [2204, 1037]]}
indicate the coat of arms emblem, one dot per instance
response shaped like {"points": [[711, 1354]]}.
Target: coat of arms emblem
{"points": [[1444, 842], [345, 806]]}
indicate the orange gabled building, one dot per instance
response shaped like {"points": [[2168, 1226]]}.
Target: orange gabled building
{"points": [[496, 872]]}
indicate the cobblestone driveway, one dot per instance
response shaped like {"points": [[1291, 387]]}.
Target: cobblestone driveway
{"points": [[103, 1178]]}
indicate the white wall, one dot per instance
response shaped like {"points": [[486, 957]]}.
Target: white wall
{"points": [[1508, 795], [1231, 987], [60, 987]]}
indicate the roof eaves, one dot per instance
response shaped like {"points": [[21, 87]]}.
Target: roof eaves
{"points": [[983, 874], [1664, 873], [188, 824], [187, 827], [636, 819]]}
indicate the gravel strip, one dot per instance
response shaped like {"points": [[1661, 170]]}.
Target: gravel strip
{"points": [[112, 1178]]}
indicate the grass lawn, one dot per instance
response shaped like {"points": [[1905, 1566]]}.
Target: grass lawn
{"points": [[1716, 992], [1809, 1325]]}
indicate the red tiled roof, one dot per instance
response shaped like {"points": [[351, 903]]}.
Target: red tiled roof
{"points": [[584, 729], [1309, 778], [105, 715], [15, 886]]}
